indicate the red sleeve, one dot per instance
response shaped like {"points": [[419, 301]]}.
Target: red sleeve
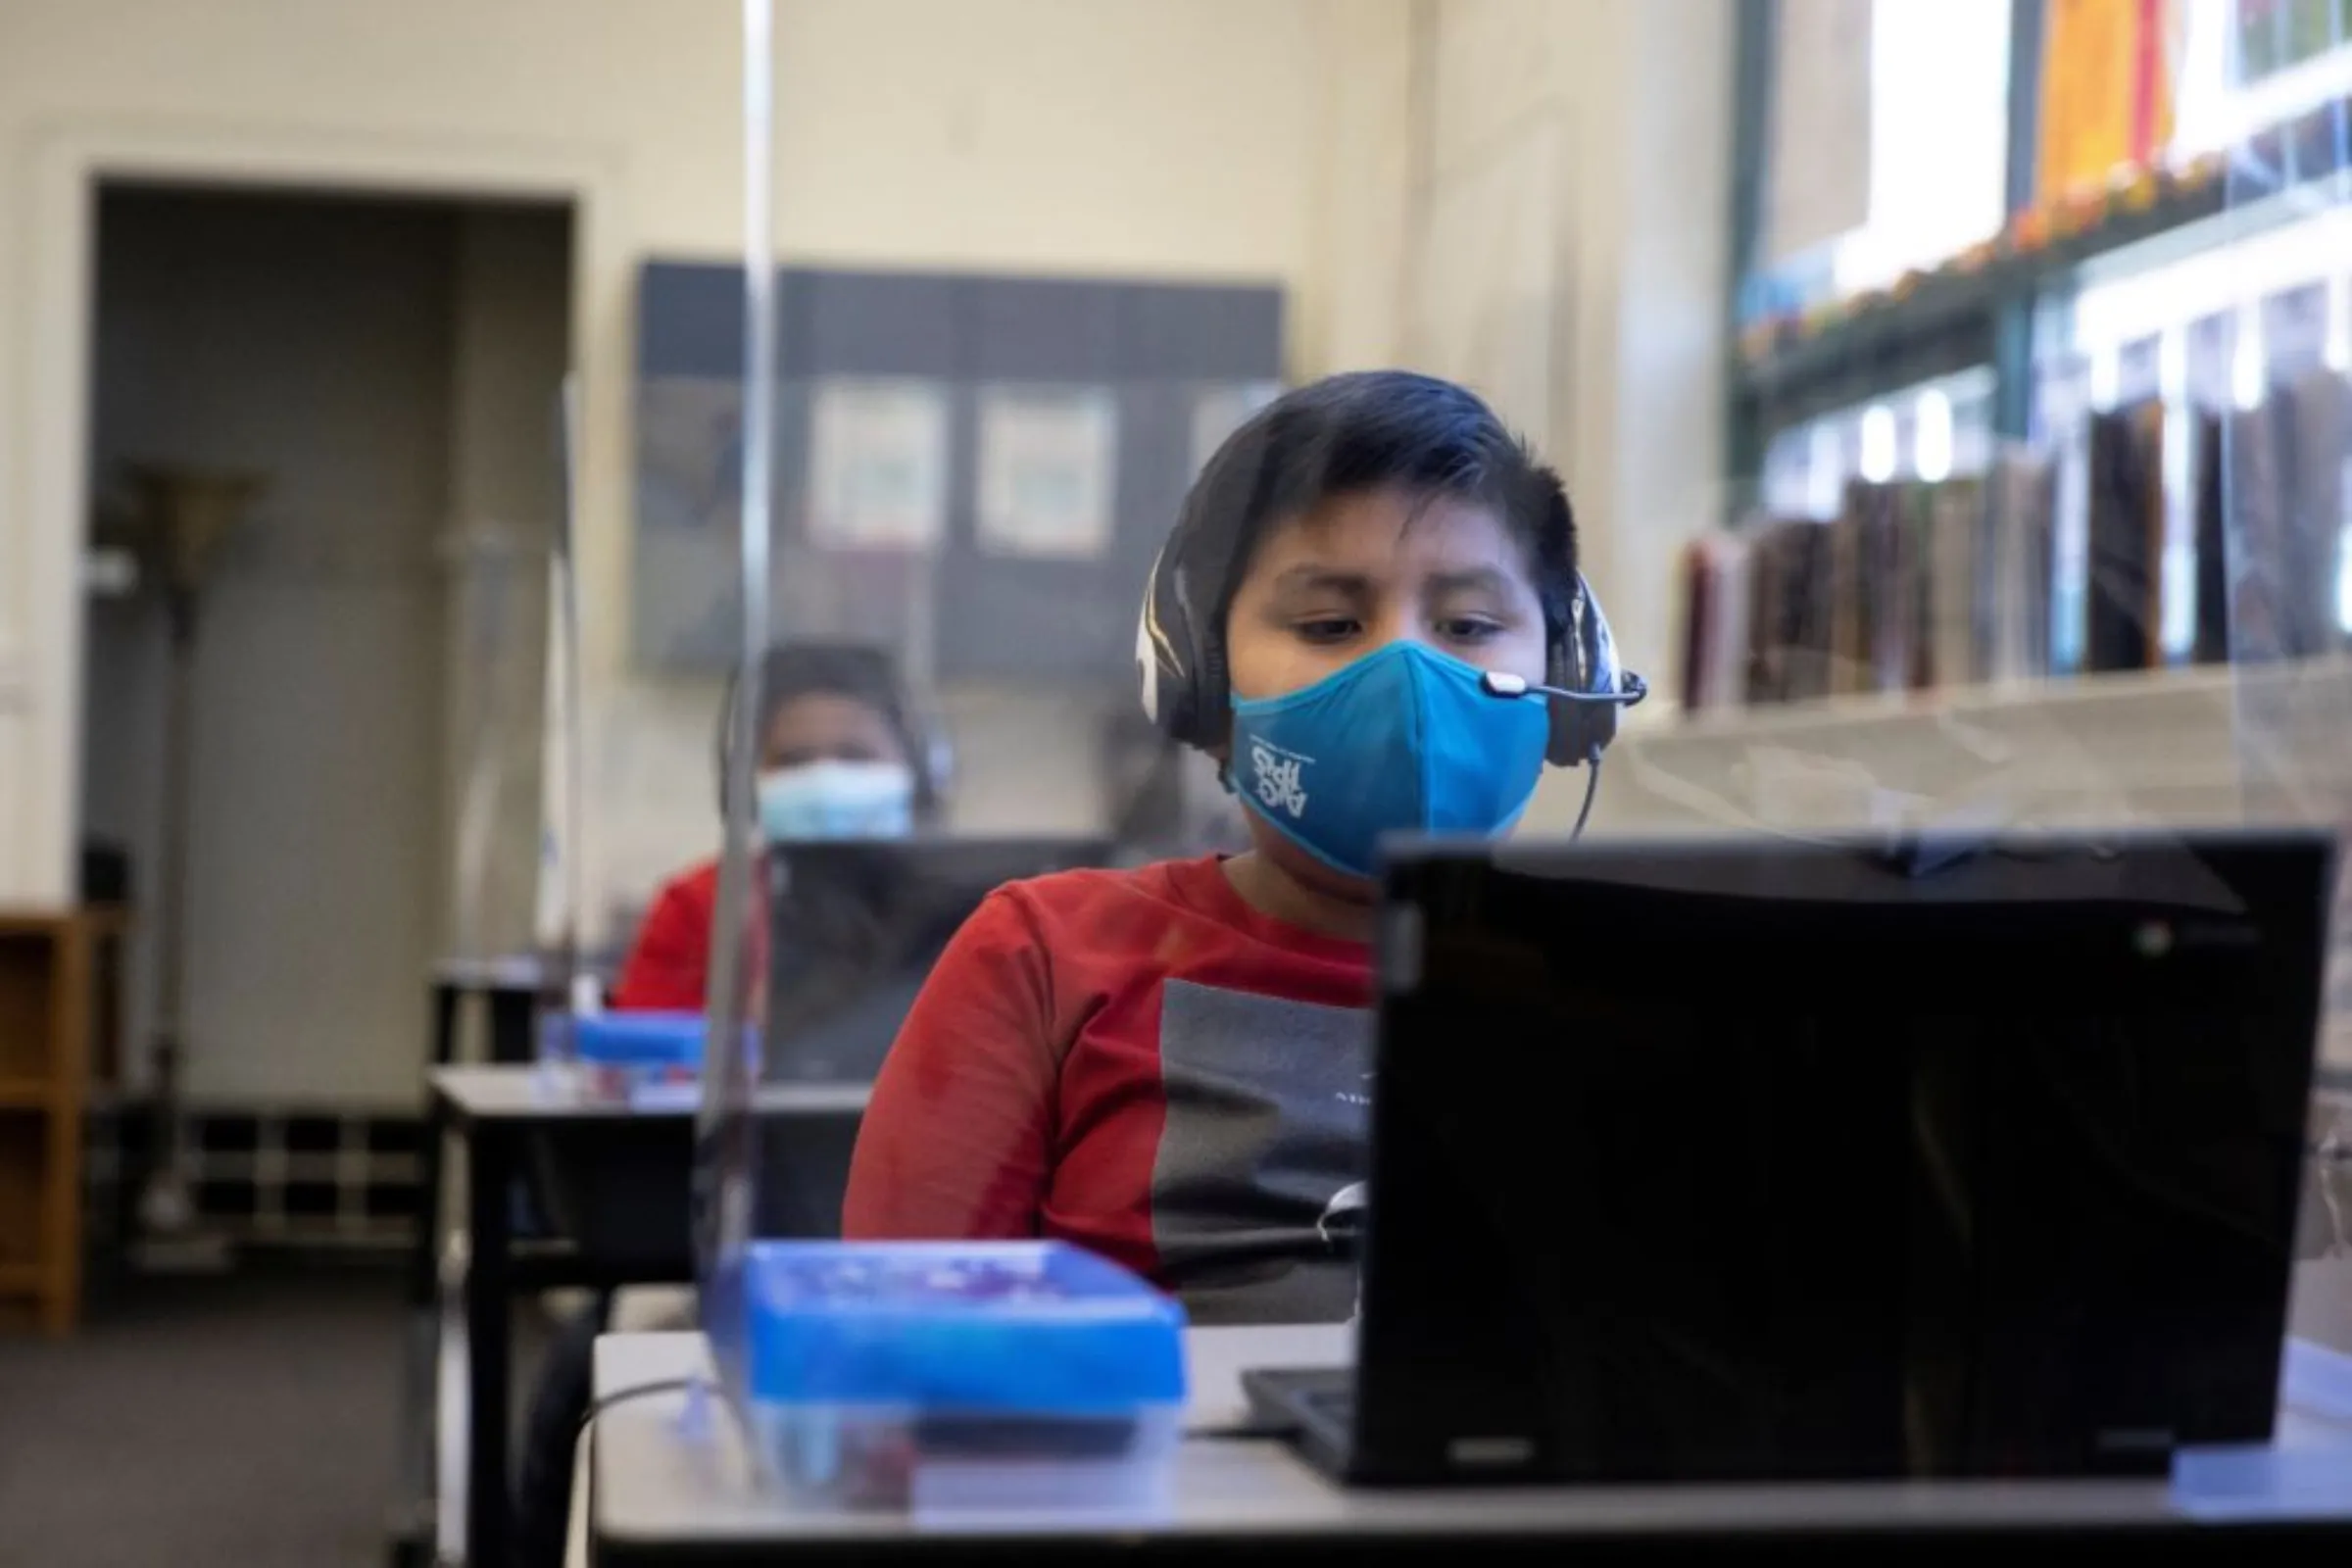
{"points": [[954, 1146], [670, 963]]}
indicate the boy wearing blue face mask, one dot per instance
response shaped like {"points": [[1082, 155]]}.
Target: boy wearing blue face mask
{"points": [[1169, 1065], [838, 759]]}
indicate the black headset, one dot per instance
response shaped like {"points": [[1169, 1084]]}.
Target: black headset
{"points": [[1180, 657], [864, 674]]}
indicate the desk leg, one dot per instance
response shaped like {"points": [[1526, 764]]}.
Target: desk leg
{"points": [[425, 1244], [444, 1025], [416, 1506], [514, 1035], [488, 1185]]}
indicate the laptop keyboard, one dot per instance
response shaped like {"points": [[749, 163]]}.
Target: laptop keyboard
{"points": [[1322, 1399], [1333, 1406]]}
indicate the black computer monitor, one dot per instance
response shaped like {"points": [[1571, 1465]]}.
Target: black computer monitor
{"points": [[854, 926], [1780, 1160]]}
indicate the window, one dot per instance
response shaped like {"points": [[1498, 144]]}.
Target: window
{"points": [[1939, 138], [1934, 430], [1889, 139], [2250, 64]]}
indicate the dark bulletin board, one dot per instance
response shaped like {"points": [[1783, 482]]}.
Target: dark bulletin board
{"points": [[1157, 351]]}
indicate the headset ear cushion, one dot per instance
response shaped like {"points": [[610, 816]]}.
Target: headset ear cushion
{"points": [[1588, 655], [1565, 748], [1200, 693], [1160, 651], [1180, 674], [1210, 722], [1146, 664]]}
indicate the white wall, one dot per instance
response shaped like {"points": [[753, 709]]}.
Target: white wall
{"points": [[1175, 140], [1367, 144], [1542, 190]]}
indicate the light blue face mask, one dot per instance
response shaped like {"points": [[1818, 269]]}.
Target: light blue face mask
{"points": [[836, 800], [1404, 740]]}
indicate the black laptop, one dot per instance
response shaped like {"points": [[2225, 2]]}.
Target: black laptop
{"points": [[1789, 1161]]}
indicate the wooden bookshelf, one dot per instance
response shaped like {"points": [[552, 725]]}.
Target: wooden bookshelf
{"points": [[48, 967]]}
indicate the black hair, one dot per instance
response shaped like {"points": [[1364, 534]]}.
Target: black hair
{"points": [[1374, 430], [857, 672]]}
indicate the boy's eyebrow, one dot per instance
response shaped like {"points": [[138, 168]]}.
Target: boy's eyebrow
{"points": [[1469, 580], [1308, 578], [1311, 578]]}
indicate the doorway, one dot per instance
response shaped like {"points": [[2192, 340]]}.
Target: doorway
{"points": [[388, 370]]}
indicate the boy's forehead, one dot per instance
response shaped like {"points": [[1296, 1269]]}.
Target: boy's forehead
{"points": [[1383, 532]]}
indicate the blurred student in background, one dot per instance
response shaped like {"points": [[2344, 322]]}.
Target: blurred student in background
{"points": [[838, 759]]}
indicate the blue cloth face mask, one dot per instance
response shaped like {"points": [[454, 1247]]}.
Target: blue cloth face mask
{"points": [[1404, 740], [836, 800]]}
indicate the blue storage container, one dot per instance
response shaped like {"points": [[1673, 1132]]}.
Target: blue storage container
{"points": [[637, 1056], [961, 1374]]}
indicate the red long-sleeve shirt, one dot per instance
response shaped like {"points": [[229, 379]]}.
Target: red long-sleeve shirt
{"points": [[1140, 1063], [670, 963]]}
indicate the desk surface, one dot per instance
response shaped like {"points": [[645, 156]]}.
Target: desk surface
{"points": [[514, 971], [656, 1484], [528, 1094]]}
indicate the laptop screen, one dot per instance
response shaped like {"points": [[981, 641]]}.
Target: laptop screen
{"points": [[1773, 1160], [856, 926]]}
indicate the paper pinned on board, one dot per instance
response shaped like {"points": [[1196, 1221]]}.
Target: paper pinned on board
{"points": [[1049, 469], [878, 464]]}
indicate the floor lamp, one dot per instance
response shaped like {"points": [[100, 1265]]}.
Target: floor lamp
{"points": [[174, 524]]}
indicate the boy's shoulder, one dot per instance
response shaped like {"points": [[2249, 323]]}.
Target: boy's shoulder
{"points": [[1140, 910], [1062, 894], [1103, 931], [1074, 921]]}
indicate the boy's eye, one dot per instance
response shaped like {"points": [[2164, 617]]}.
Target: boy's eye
{"points": [[1327, 628], [1468, 628]]}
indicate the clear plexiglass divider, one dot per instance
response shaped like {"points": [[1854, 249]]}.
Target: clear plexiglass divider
{"points": [[2124, 626]]}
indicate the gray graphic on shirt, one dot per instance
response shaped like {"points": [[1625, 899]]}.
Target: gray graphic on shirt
{"points": [[1266, 1129]]}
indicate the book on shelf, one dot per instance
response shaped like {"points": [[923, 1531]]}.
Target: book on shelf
{"points": [[1956, 535], [2014, 574], [1910, 587], [2123, 611], [2281, 477], [2211, 542], [2315, 419]]}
